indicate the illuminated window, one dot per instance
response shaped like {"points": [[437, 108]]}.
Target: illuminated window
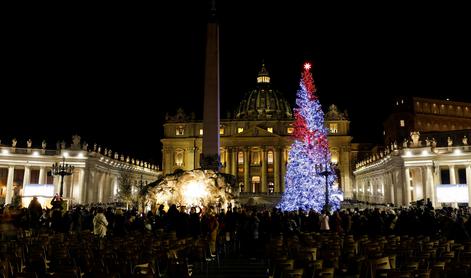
{"points": [[221, 131], [333, 128], [270, 129], [240, 129], [289, 130], [255, 158], [201, 131], [240, 158], [179, 157], [402, 123], [180, 130], [263, 79], [270, 157]]}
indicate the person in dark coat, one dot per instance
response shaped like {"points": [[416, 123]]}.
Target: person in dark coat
{"points": [[34, 212]]}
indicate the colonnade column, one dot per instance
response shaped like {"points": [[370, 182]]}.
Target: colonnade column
{"points": [[391, 188], [468, 181], [452, 174], [264, 170], [453, 181], [406, 187], [247, 185], [430, 186], [42, 176], [9, 193], [80, 186], [276, 170], [26, 176]]}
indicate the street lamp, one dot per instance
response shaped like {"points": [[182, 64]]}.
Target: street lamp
{"points": [[62, 170], [326, 170]]}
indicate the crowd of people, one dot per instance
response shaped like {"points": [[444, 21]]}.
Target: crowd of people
{"points": [[250, 228], [247, 224]]}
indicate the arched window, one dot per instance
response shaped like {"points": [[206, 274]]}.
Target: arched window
{"points": [[240, 158], [270, 157], [255, 157]]}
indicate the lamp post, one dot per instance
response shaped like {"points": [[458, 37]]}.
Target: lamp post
{"points": [[62, 170], [326, 170]]}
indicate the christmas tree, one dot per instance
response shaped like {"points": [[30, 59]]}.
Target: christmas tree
{"points": [[309, 157]]}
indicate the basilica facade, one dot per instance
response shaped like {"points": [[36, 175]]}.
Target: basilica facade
{"points": [[25, 171], [255, 142]]}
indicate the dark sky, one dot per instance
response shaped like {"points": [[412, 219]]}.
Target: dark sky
{"points": [[111, 73]]}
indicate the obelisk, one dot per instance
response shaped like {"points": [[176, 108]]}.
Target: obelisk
{"points": [[210, 155]]}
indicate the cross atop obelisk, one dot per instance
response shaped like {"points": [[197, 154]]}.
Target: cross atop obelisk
{"points": [[210, 155]]}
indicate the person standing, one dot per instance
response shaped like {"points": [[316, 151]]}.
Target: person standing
{"points": [[100, 225], [34, 212], [325, 221]]}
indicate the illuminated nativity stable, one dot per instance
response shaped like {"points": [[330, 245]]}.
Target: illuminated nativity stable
{"points": [[193, 188]]}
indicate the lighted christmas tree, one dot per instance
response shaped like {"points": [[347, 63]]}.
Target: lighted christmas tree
{"points": [[309, 155]]}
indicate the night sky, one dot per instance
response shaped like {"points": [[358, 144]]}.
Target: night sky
{"points": [[110, 74]]}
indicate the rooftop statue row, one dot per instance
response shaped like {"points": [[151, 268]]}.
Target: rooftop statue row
{"points": [[332, 115], [416, 143], [77, 146]]}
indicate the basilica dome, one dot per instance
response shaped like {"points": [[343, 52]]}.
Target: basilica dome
{"points": [[264, 102]]}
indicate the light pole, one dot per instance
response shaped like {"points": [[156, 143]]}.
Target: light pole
{"points": [[326, 170], [62, 170]]}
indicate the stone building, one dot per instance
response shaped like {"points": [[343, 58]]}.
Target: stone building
{"points": [[432, 162], [94, 179], [423, 115], [255, 141]]}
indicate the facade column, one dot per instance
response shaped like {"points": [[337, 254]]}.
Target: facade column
{"points": [[276, 170], [247, 185], [228, 161], [26, 176], [190, 158], [407, 190], [284, 160], [166, 161], [197, 157], [9, 193], [234, 161], [468, 181], [264, 170], [42, 175], [452, 174]]}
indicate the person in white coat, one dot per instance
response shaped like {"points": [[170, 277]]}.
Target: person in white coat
{"points": [[324, 221], [100, 226]]}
